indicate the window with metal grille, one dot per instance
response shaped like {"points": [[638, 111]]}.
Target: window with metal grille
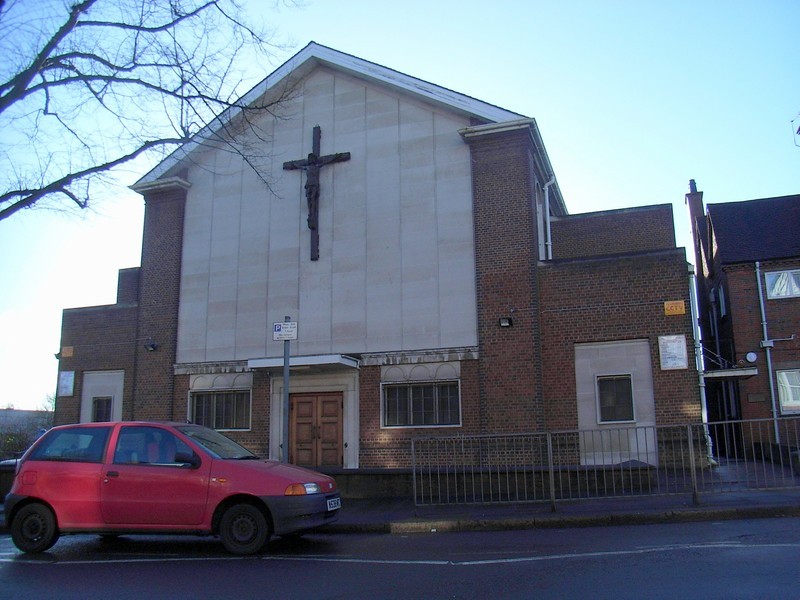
{"points": [[421, 405], [221, 409]]}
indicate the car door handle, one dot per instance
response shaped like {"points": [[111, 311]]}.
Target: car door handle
{"points": [[112, 474]]}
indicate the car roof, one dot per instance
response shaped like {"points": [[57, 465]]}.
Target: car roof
{"points": [[114, 423]]}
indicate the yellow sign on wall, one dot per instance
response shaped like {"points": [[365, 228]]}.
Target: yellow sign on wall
{"points": [[674, 307]]}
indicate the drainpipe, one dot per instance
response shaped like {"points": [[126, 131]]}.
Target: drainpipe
{"points": [[700, 363], [548, 244], [767, 344]]}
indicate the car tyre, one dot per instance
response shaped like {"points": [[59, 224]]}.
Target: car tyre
{"points": [[34, 528], [244, 529]]}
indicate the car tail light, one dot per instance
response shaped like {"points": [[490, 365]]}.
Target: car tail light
{"points": [[301, 489]]}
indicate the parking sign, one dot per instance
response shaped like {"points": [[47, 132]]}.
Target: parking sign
{"points": [[284, 331]]}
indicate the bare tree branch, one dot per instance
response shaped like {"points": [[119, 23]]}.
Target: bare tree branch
{"points": [[28, 197], [98, 83]]}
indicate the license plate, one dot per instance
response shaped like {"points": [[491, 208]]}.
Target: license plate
{"points": [[334, 503]]}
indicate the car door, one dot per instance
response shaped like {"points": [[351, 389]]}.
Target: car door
{"points": [[149, 482]]}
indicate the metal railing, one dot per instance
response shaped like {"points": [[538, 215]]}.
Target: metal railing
{"points": [[604, 463]]}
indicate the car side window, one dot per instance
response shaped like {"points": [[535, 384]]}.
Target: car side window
{"points": [[72, 445], [149, 446]]}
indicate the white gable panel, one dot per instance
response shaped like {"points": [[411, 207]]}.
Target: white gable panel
{"points": [[383, 224], [396, 266], [349, 220], [195, 264], [252, 328], [224, 256], [454, 232]]}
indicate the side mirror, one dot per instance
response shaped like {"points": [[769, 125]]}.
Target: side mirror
{"points": [[191, 461]]}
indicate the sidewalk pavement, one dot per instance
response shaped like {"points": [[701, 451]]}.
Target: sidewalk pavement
{"points": [[401, 516]]}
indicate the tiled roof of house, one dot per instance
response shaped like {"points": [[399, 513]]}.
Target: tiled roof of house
{"points": [[764, 229]]}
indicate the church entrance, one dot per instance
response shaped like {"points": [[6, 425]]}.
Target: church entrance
{"points": [[316, 429]]}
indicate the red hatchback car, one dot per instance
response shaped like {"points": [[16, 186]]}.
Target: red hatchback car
{"points": [[141, 477]]}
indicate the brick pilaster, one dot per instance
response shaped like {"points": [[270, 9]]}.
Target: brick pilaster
{"points": [[503, 180], [159, 295]]}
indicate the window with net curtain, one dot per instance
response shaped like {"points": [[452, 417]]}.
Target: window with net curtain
{"points": [[783, 284], [789, 389]]}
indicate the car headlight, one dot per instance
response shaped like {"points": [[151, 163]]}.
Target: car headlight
{"points": [[302, 489]]}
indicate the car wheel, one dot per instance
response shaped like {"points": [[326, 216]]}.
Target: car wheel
{"points": [[244, 529], [34, 528]]}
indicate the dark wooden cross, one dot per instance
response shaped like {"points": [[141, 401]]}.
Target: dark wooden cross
{"points": [[311, 166]]}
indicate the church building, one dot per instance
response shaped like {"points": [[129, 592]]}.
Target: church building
{"points": [[411, 249]]}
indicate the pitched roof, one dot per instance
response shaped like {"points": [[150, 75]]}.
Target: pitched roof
{"points": [[764, 229], [314, 55]]}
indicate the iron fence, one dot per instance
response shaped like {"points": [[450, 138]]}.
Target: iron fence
{"points": [[611, 462]]}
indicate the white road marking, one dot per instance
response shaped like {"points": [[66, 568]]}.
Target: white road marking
{"points": [[19, 559]]}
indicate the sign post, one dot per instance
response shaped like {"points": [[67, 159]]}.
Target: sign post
{"points": [[285, 331]]}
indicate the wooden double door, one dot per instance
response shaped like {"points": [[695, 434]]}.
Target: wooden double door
{"points": [[316, 429]]}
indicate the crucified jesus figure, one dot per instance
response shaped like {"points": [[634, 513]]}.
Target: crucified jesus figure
{"points": [[311, 166]]}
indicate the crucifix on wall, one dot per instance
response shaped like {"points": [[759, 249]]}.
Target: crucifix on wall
{"points": [[311, 166]]}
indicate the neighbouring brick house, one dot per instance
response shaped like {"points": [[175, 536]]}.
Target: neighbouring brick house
{"points": [[748, 281], [438, 282]]}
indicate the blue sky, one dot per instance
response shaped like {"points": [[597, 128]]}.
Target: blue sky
{"points": [[633, 99]]}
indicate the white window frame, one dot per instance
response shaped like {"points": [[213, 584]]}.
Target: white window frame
{"points": [[792, 285], [411, 384], [788, 389], [102, 383]]}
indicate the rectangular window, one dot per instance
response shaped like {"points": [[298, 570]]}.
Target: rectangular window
{"points": [[615, 398], [101, 408], [783, 284], [789, 390], [221, 410], [421, 405], [723, 305]]}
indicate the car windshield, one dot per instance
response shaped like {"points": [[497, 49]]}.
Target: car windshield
{"points": [[215, 443]]}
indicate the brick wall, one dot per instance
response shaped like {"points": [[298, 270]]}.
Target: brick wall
{"points": [[391, 448], [625, 231], [128, 286], [162, 244], [99, 338], [506, 245], [783, 320], [615, 299]]}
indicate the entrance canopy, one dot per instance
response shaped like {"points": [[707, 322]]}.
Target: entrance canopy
{"points": [[741, 373], [314, 362]]}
